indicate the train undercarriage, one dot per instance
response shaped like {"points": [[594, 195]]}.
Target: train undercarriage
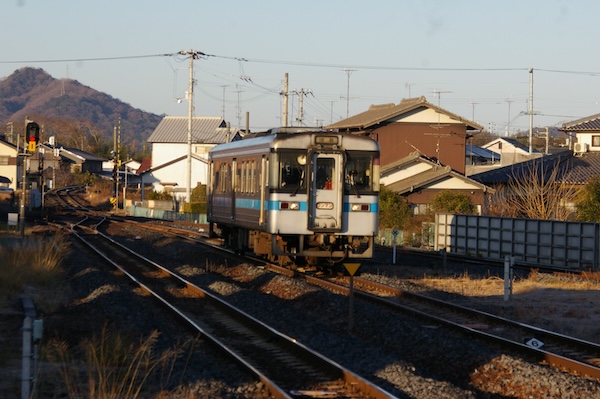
{"points": [[323, 249]]}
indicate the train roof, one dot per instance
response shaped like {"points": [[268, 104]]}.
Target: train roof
{"points": [[291, 140]]}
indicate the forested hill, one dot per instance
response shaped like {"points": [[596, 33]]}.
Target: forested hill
{"points": [[77, 115]]}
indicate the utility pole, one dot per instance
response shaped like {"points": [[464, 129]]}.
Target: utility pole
{"points": [[285, 100], [24, 181], [508, 120], [530, 111], [348, 72], [193, 55], [473, 111], [408, 86]]}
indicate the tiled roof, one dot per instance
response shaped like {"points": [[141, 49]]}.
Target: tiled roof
{"points": [[145, 165], [205, 129], [476, 151], [436, 174], [583, 168], [571, 169], [377, 114], [85, 156], [512, 141], [587, 124]]}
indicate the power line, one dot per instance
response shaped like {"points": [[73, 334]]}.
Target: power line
{"points": [[301, 63], [128, 57]]}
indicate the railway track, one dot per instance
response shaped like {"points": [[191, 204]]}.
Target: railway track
{"points": [[578, 356], [561, 351], [286, 367]]}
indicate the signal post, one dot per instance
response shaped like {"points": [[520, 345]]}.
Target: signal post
{"points": [[32, 135]]}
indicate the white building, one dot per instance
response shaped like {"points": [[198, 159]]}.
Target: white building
{"points": [[168, 170], [8, 164]]}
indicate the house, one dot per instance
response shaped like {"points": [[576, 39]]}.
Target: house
{"points": [[478, 158], [585, 164], [414, 125], [168, 169], [8, 164], [511, 151], [586, 132], [419, 179], [80, 161]]}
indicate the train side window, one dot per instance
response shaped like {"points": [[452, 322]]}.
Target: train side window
{"points": [[252, 177], [237, 179]]}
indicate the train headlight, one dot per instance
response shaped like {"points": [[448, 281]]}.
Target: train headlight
{"points": [[324, 205], [292, 206], [360, 207]]}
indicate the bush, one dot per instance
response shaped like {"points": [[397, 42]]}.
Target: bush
{"points": [[452, 202], [194, 207], [394, 211]]}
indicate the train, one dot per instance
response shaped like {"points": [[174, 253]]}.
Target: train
{"points": [[298, 197]]}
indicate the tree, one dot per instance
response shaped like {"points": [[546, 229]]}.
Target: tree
{"points": [[540, 190], [394, 212], [588, 202], [452, 202]]}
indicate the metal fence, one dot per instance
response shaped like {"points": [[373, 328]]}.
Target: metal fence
{"points": [[530, 241], [197, 218]]}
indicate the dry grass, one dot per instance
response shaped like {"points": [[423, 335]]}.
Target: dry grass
{"points": [[494, 286], [114, 367], [32, 261], [566, 304]]}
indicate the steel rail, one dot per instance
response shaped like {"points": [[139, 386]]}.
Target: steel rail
{"points": [[349, 379]]}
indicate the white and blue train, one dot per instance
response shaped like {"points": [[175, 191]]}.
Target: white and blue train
{"points": [[296, 197]]}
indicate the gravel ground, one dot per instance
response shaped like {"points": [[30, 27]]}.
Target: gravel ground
{"points": [[405, 357]]}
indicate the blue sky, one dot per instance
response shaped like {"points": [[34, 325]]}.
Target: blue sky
{"points": [[470, 57]]}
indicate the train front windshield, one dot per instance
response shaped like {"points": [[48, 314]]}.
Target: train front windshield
{"points": [[359, 173], [293, 170]]}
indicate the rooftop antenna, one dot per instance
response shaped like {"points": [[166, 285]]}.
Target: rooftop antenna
{"points": [[439, 93]]}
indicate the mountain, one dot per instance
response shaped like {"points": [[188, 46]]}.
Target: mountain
{"points": [[66, 108]]}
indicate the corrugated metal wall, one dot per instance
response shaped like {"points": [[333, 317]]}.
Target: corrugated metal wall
{"points": [[549, 243]]}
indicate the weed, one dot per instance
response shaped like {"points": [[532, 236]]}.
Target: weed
{"points": [[113, 367], [30, 261]]}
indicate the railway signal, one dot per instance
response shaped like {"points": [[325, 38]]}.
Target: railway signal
{"points": [[32, 132]]}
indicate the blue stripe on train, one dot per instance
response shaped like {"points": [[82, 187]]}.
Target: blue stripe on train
{"points": [[270, 205]]}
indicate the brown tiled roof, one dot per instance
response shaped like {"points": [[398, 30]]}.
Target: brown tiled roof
{"points": [[145, 165], [378, 114], [436, 174], [587, 124]]}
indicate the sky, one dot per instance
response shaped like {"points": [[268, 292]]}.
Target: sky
{"points": [[482, 60]]}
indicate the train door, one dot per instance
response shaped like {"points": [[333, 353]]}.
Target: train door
{"points": [[325, 202]]}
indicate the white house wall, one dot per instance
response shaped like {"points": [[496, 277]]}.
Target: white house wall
{"points": [[177, 173], [427, 115], [165, 152], [586, 138], [406, 172], [10, 171], [454, 184]]}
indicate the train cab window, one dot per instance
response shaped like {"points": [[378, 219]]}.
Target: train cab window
{"points": [[292, 170], [358, 173], [325, 173]]}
